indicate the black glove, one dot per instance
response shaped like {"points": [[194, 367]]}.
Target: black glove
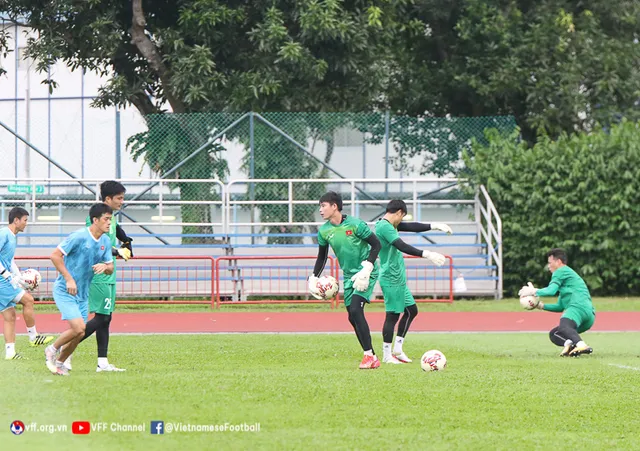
{"points": [[126, 244]]}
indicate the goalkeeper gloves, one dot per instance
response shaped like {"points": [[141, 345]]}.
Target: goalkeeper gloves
{"points": [[436, 259], [126, 244], [527, 290], [361, 278], [442, 227], [123, 253], [15, 280], [313, 287]]}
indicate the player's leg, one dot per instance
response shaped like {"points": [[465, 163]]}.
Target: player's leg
{"points": [[566, 334], [410, 313], [9, 332], [30, 320], [356, 309], [586, 318], [393, 305], [69, 307], [102, 334]]}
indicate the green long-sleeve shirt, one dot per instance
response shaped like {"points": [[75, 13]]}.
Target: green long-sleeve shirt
{"points": [[573, 291]]}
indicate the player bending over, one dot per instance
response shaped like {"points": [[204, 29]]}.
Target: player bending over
{"points": [[357, 249], [102, 293], [12, 287], [393, 278], [574, 301], [82, 254]]}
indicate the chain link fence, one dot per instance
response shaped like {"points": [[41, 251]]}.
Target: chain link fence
{"points": [[253, 146]]}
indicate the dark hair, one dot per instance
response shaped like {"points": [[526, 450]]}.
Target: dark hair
{"points": [[332, 198], [558, 254], [396, 205], [98, 210], [111, 188], [17, 213]]}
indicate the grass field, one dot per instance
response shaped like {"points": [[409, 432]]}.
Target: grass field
{"points": [[618, 304], [500, 391]]}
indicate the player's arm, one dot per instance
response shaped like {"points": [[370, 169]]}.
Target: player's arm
{"points": [[549, 291], [361, 278], [126, 243], [374, 242], [421, 227], [103, 268], [57, 258], [321, 261], [436, 258]]}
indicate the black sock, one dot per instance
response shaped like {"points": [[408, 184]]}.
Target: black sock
{"points": [[95, 323], [407, 318], [360, 325], [389, 326], [102, 336], [567, 330]]}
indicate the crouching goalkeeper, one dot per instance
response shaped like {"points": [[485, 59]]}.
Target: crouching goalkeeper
{"points": [[574, 301]]}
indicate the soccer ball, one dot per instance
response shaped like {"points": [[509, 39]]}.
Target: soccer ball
{"points": [[529, 302], [328, 287], [433, 361], [32, 278]]}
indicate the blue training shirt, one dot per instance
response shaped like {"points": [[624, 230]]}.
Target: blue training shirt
{"points": [[82, 251]]}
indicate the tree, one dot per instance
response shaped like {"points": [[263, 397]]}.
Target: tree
{"points": [[557, 66], [208, 55], [580, 192]]}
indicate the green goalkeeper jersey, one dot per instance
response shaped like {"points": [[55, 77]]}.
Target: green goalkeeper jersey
{"points": [[573, 291], [347, 240], [107, 278], [392, 269]]}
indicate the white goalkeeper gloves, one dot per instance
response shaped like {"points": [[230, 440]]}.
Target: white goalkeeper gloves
{"points": [[527, 290], [436, 259], [442, 227], [15, 280], [361, 278], [313, 287]]}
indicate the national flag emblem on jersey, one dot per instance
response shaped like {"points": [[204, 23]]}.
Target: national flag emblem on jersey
{"points": [[101, 248], [349, 232]]}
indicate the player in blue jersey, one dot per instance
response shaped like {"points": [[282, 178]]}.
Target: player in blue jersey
{"points": [[12, 287], [82, 254]]}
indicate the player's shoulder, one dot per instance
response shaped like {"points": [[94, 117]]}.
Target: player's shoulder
{"points": [[353, 221], [383, 225], [4, 231]]}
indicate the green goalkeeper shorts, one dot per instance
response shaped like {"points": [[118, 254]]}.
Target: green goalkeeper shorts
{"points": [[102, 298], [397, 298], [349, 291], [582, 317]]}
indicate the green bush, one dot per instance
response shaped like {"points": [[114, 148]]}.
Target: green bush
{"points": [[580, 192]]}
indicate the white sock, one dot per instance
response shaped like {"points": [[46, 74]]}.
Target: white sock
{"points": [[581, 344], [386, 349], [33, 333], [10, 349], [568, 342], [104, 362], [369, 352], [398, 346]]}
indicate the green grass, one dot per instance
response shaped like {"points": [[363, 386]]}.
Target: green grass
{"points": [[500, 391], [485, 305]]}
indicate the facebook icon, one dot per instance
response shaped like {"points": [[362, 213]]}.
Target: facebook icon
{"points": [[157, 427]]}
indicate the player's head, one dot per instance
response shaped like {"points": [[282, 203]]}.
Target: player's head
{"points": [[18, 218], [396, 210], [330, 203], [112, 194], [100, 215], [556, 258]]}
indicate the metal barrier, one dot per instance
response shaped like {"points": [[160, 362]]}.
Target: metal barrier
{"points": [[165, 282], [262, 276]]}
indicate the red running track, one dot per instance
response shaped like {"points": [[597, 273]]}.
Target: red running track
{"points": [[217, 322]]}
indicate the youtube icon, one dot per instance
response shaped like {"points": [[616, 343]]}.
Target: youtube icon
{"points": [[81, 427]]}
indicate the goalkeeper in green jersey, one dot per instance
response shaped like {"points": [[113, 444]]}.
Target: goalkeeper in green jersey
{"points": [[393, 278], [356, 248], [574, 301]]}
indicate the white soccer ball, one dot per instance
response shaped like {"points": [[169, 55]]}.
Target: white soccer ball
{"points": [[433, 361], [328, 287], [32, 278], [529, 302]]}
